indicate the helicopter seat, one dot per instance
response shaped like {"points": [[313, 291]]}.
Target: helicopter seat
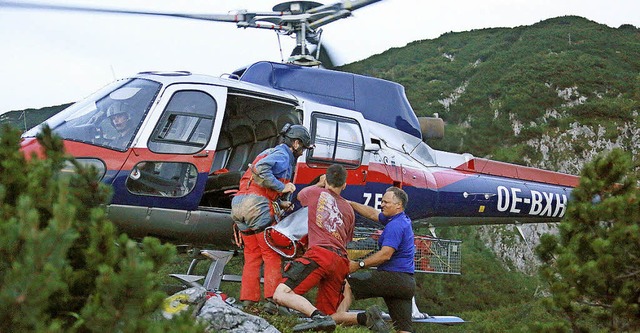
{"points": [[228, 177], [287, 118], [243, 138], [266, 137], [223, 150]]}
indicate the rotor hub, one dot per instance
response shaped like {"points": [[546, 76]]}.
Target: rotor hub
{"points": [[296, 7]]}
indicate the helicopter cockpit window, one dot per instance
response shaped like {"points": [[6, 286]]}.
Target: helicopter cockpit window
{"points": [[337, 140], [165, 179], [109, 118], [186, 124]]}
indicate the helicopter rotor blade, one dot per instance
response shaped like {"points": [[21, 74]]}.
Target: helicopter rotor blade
{"points": [[300, 18], [330, 18], [337, 11], [343, 5], [353, 5], [236, 17]]}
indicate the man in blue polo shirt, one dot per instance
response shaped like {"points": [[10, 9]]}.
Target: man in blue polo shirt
{"points": [[393, 280]]}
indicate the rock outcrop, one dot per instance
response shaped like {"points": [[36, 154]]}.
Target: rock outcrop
{"points": [[218, 315]]}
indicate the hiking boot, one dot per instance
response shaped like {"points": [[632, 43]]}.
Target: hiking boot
{"points": [[247, 303], [375, 322], [250, 307], [317, 323], [271, 308]]}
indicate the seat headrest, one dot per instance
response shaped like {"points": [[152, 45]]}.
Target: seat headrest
{"points": [[242, 134], [224, 141], [287, 118], [266, 129]]}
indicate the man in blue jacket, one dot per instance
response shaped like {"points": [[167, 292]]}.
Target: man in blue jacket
{"points": [[252, 209], [393, 280]]}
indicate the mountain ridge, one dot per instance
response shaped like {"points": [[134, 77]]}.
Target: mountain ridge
{"points": [[505, 83], [551, 95]]}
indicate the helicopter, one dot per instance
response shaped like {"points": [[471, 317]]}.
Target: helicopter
{"points": [[174, 174], [191, 136]]}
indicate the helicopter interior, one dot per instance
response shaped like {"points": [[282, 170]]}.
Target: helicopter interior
{"points": [[250, 126]]}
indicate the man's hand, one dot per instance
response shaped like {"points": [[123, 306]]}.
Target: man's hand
{"points": [[289, 188], [323, 181], [287, 206]]}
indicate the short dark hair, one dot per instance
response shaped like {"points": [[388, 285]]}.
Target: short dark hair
{"points": [[336, 175], [400, 194]]}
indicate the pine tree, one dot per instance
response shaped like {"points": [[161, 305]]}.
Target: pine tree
{"points": [[593, 266], [63, 265]]}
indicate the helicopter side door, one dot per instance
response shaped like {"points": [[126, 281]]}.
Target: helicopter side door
{"points": [[339, 138], [173, 152]]}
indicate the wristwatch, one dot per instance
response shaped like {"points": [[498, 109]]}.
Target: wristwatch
{"points": [[361, 263]]}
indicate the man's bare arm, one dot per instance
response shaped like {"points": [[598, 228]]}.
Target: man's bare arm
{"points": [[383, 255], [366, 211]]}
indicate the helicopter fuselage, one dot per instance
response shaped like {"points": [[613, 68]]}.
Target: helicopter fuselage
{"points": [[190, 137]]}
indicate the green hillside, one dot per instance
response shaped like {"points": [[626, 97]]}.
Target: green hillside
{"points": [[497, 89], [26, 119]]}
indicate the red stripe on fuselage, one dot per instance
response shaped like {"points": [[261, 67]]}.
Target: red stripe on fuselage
{"points": [[502, 169], [439, 177], [113, 159], [384, 174], [305, 174]]}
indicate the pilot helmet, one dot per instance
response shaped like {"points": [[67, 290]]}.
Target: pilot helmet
{"points": [[297, 132], [118, 109], [115, 109]]}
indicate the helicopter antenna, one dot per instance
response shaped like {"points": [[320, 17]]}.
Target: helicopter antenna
{"points": [[300, 19], [319, 44], [280, 47], [113, 72]]}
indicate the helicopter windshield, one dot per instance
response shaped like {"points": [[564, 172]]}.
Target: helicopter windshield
{"points": [[109, 118]]}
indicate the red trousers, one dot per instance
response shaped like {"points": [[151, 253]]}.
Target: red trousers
{"points": [[323, 268], [256, 251]]}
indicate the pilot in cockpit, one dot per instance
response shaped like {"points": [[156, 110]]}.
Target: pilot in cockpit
{"points": [[120, 119]]}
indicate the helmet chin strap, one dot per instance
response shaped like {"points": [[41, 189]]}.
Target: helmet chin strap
{"points": [[297, 152]]}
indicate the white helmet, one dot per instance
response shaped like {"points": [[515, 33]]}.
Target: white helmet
{"points": [[116, 108]]}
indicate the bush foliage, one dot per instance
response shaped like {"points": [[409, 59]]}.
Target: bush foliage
{"points": [[593, 266], [63, 266]]}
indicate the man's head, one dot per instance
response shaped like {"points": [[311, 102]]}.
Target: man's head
{"points": [[118, 116], [336, 177], [394, 201], [297, 137]]}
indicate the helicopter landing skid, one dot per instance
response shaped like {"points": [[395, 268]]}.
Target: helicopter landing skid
{"points": [[443, 320], [427, 319], [219, 259]]}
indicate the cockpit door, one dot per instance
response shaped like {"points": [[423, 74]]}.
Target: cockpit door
{"points": [[173, 152]]}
